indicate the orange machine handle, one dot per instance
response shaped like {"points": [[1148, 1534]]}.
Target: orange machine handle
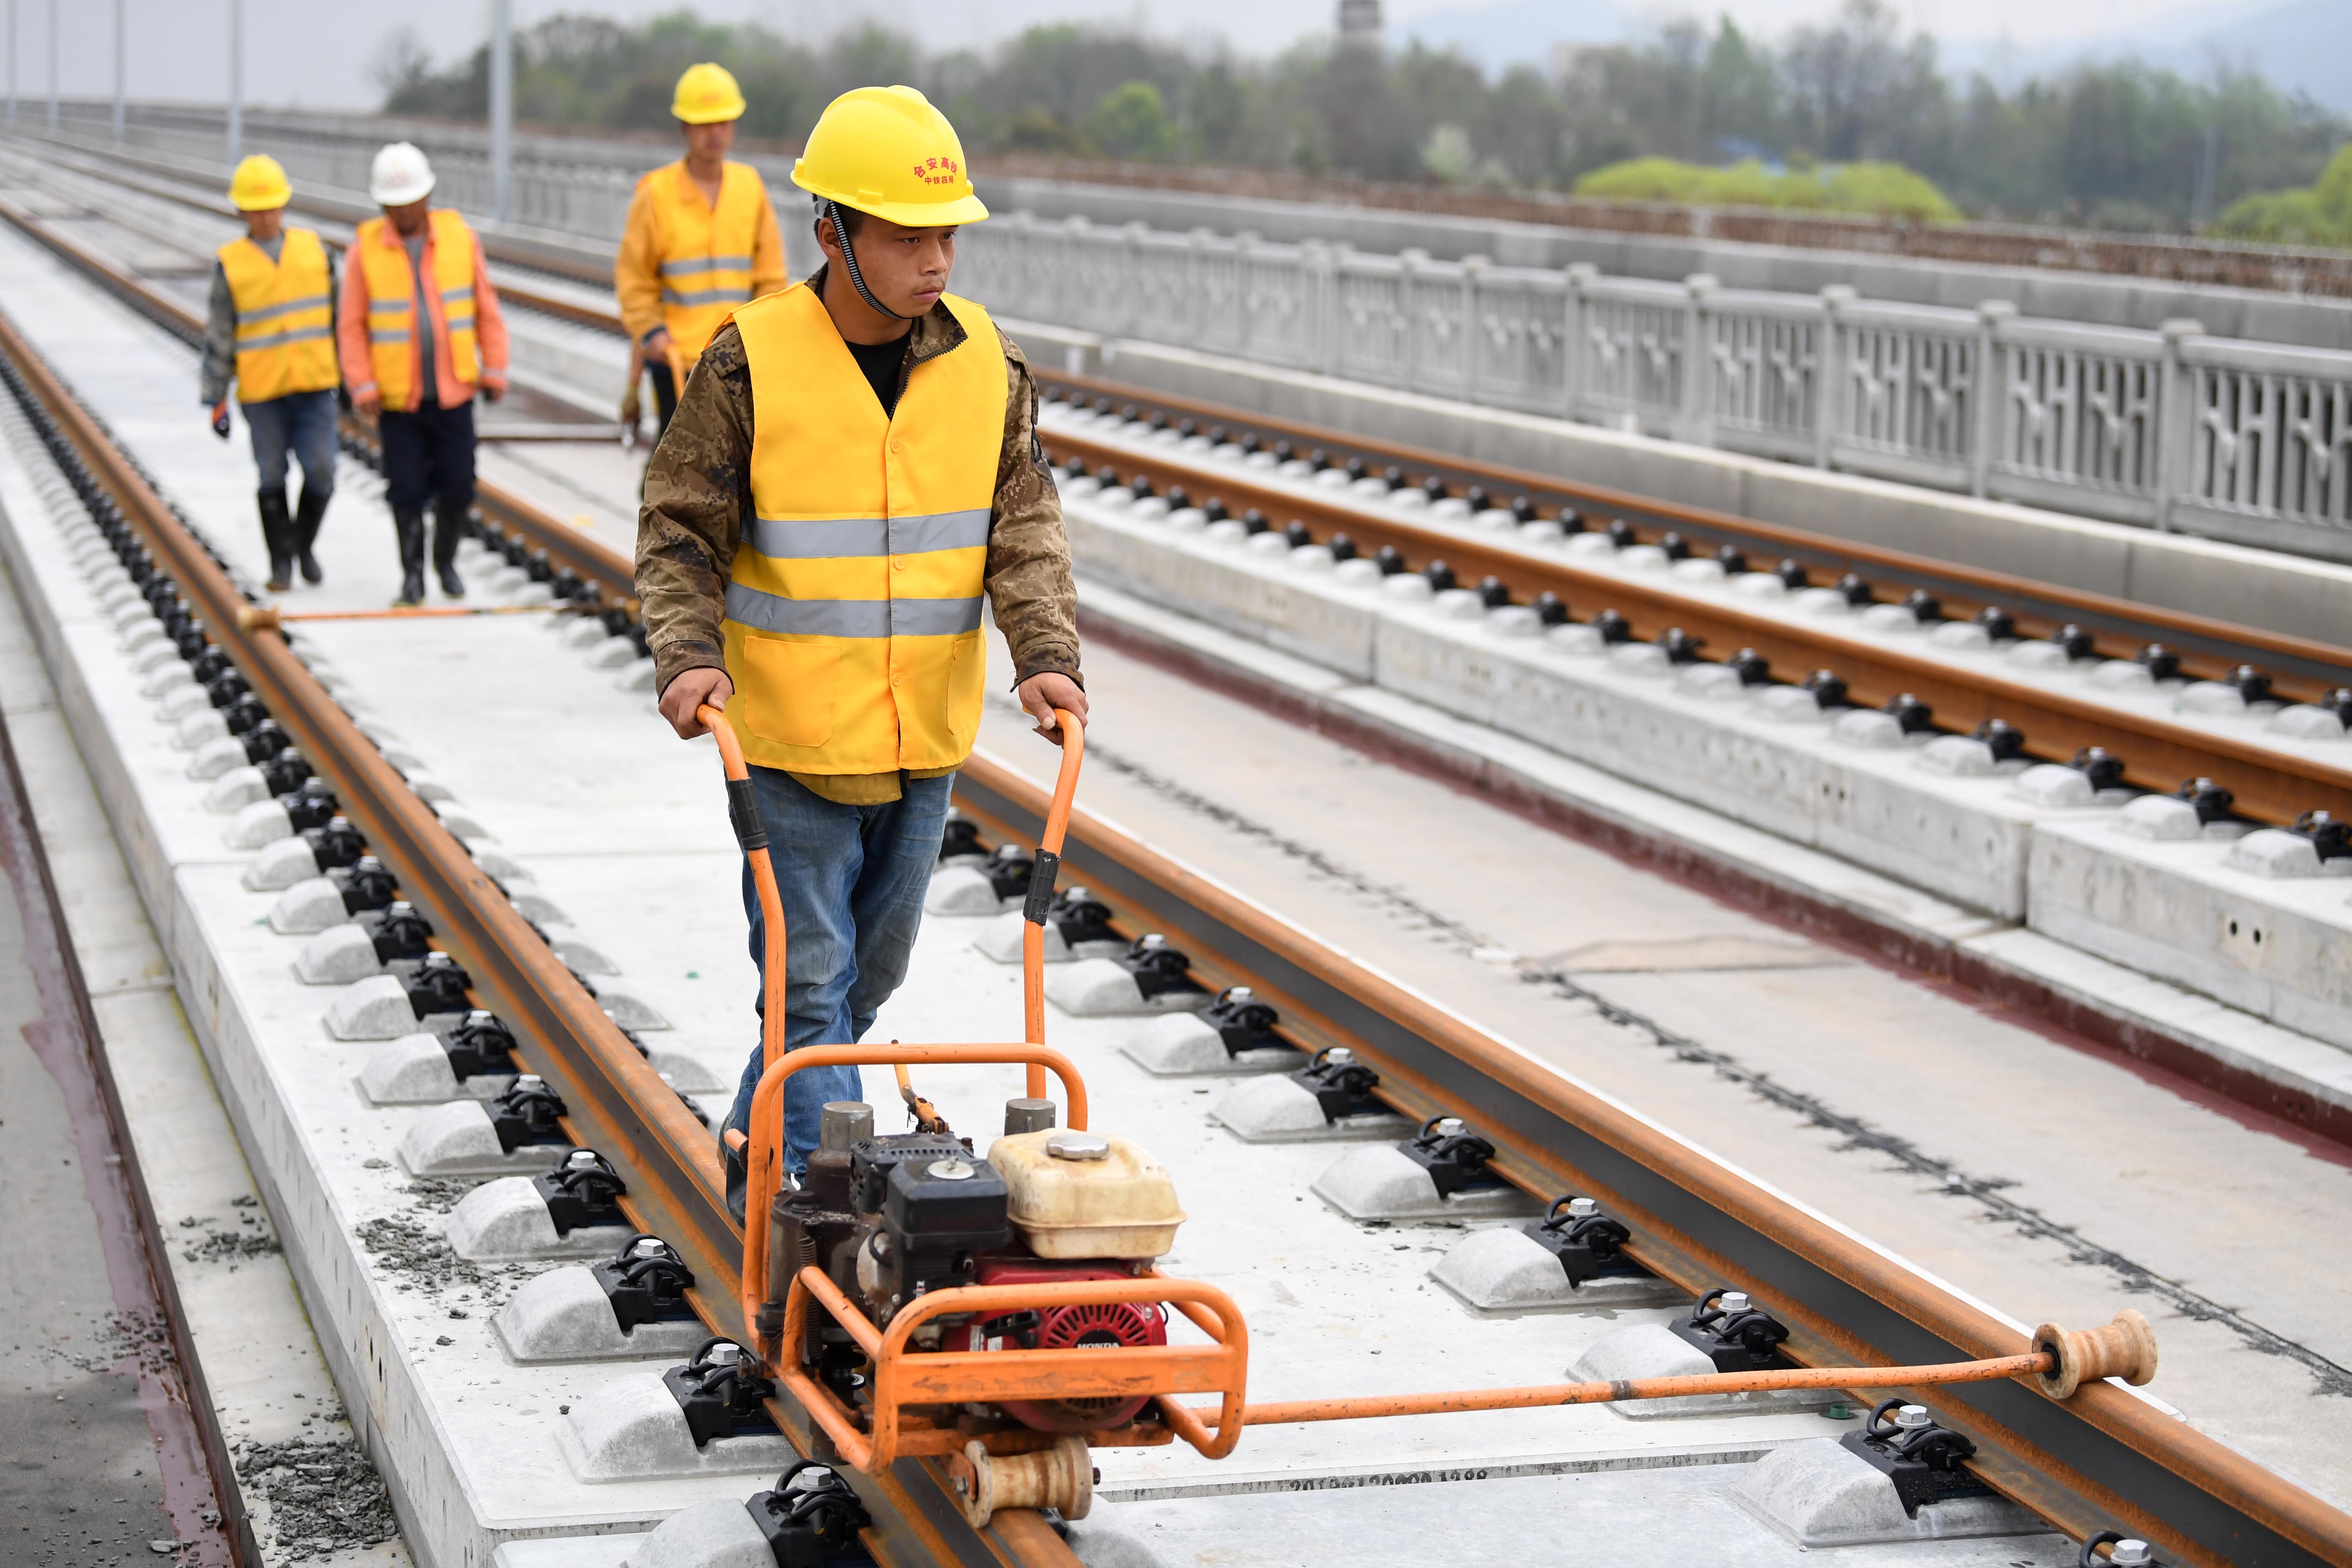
{"points": [[1032, 934], [765, 1172], [744, 808]]}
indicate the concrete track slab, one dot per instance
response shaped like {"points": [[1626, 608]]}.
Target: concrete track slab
{"points": [[1406, 664], [2021, 1169]]}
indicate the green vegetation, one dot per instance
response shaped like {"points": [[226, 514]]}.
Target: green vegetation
{"points": [[2318, 214], [1888, 189], [2115, 146]]}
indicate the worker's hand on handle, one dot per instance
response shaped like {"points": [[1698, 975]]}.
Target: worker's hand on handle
{"points": [[690, 691], [367, 402], [1041, 694]]}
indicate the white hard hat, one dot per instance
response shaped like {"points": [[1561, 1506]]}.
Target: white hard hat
{"points": [[401, 175]]}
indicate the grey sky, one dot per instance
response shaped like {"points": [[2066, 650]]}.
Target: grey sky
{"points": [[315, 52]]}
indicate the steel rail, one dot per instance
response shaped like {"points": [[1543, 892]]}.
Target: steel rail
{"points": [[2272, 785], [2105, 1459], [616, 1102], [2213, 645]]}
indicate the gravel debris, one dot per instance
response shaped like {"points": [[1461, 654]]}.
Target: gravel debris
{"points": [[323, 1497], [250, 1237], [438, 1194], [419, 1258], [141, 1337]]}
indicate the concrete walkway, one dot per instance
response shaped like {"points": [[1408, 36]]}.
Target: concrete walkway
{"points": [[99, 1460]]}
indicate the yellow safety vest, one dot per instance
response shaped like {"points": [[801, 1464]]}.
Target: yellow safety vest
{"points": [[392, 304], [706, 255], [285, 316], [853, 623]]}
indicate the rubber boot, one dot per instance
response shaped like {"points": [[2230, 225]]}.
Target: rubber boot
{"points": [[277, 535], [309, 513], [410, 526], [449, 527]]}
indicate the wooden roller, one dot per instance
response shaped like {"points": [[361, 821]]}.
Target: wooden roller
{"points": [[2124, 1347], [1061, 1477]]}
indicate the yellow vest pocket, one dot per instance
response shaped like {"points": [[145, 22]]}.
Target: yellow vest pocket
{"points": [[789, 689], [967, 675]]}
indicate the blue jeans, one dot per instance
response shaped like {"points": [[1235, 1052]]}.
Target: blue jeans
{"points": [[303, 424], [852, 878]]}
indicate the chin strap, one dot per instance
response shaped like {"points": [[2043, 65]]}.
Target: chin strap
{"points": [[850, 263]]}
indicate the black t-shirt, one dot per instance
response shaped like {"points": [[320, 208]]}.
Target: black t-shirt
{"points": [[882, 363]]}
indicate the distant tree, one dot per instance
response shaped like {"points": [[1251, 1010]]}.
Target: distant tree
{"points": [[400, 62], [2319, 214], [1856, 91], [1130, 121]]}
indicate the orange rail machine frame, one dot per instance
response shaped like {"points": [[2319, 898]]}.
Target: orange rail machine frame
{"points": [[902, 1377], [2060, 1361]]}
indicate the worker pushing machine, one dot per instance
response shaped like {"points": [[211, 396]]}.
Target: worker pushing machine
{"points": [[271, 330], [701, 239], [851, 465], [420, 332]]}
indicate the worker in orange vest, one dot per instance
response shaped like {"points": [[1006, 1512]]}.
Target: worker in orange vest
{"points": [[420, 333], [701, 239]]}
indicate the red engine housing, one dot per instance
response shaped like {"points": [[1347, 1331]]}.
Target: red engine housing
{"points": [[1120, 1325]]}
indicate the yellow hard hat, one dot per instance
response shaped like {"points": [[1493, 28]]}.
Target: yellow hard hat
{"points": [[706, 94], [885, 151], [259, 184]]}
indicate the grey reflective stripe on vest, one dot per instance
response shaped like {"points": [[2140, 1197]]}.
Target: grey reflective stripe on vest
{"points": [[396, 336], [299, 335], [707, 297], [851, 617], [270, 312], [451, 296], [706, 264], [390, 307], [781, 539]]}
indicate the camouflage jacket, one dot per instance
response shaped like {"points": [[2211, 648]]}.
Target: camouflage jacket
{"points": [[698, 491]]}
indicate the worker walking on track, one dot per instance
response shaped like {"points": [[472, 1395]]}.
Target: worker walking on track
{"points": [[701, 239], [855, 464], [271, 330], [420, 332]]}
